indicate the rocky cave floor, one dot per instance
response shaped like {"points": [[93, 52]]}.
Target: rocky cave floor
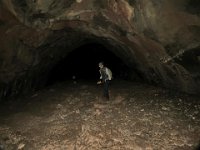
{"points": [[68, 116]]}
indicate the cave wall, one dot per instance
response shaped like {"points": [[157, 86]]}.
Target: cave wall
{"points": [[159, 39]]}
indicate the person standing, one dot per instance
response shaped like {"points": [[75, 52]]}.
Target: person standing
{"points": [[105, 78]]}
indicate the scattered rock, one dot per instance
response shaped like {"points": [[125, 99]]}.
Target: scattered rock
{"points": [[21, 146], [165, 108], [77, 111], [99, 106], [149, 147], [59, 106], [78, 1], [156, 94], [82, 123], [138, 133], [97, 112]]}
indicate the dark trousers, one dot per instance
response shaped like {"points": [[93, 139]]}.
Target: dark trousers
{"points": [[106, 89]]}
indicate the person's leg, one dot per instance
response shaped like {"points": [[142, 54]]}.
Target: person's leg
{"points": [[106, 89]]}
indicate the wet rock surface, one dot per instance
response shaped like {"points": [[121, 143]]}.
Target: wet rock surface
{"points": [[75, 116]]}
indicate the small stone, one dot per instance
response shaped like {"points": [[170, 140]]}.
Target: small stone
{"points": [[97, 112], [149, 147], [108, 144], [78, 1], [138, 133], [165, 108], [21, 146], [78, 111], [59, 106]]}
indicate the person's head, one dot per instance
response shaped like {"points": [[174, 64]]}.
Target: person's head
{"points": [[101, 65]]}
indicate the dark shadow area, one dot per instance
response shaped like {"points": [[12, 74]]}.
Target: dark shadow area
{"points": [[191, 61], [83, 64], [193, 6], [198, 147]]}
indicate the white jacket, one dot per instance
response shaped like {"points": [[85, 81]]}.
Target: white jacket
{"points": [[108, 73]]}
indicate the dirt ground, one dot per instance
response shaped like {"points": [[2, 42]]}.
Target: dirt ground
{"points": [[69, 116]]}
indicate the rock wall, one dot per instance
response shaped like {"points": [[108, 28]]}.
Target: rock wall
{"points": [[159, 39]]}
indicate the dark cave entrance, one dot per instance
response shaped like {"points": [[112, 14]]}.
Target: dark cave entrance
{"points": [[83, 64]]}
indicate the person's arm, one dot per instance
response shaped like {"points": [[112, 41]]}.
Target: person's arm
{"points": [[100, 75], [100, 82]]}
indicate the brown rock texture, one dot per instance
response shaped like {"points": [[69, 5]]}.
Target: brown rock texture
{"points": [[159, 39]]}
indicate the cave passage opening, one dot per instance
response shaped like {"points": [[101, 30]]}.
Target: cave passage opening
{"points": [[83, 61]]}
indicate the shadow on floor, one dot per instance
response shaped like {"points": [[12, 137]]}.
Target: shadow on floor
{"points": [[198, 147]]}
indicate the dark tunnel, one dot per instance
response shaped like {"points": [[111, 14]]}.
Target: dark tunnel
{"points": [[83, 64]]}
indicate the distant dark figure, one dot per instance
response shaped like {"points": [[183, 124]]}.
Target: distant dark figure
{"points": [[105, 78]]}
